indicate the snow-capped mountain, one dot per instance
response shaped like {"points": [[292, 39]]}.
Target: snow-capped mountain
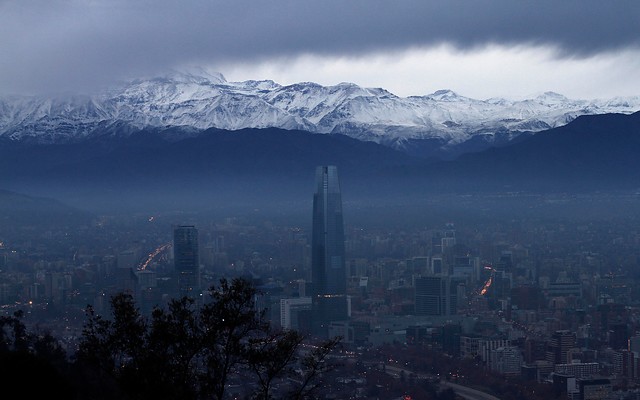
{"points": [[202, 100]]}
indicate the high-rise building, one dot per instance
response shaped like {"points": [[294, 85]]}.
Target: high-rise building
{"points": [[436, 295], [289, 310], [506, 360], [186, 260], [597, 388], [559, 344], [328, 271], [125, 275]]}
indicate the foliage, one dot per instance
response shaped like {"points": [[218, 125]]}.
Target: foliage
{"points": [[27, 357], [191, 352], [314, 365]]}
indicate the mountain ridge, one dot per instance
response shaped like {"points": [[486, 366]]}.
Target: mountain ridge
{"points": [[443, 124], [592, 153], [255, 167]]}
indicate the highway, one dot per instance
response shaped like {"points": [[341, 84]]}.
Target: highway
{"points": [[467, 392], [462, 391]]}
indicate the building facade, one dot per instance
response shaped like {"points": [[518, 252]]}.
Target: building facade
{"points": [[186, 260], [328, 252], [436, 295], [290, 310]]}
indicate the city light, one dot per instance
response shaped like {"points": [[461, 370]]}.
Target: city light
{"points": [[153, 255]]}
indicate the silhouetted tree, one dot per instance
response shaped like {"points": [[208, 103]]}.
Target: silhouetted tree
{"points": [[230, 320], [313, 365], [271, 357], [33, 363], [190, 352], [13, 333]]}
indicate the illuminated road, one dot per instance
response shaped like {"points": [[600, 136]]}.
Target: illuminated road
{"points": [[467, 392], [153, 255], [462, 391], [487, 284]]}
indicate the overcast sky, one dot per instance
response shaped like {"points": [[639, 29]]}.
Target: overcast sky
{"points": [[582, 49]]}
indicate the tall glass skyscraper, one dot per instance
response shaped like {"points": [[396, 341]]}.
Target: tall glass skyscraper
{"points": [[186, 260], [328, 273]]}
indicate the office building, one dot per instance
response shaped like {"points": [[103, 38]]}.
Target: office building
{"points": [[595, 389], [186, 260], [290, 311], [436, 295], [506, 360], [125, 275], [558, 346], [328, 271]]}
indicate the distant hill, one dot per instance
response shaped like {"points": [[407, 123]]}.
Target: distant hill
{"points": [[592, 153], [256, 167], [213, 167], [20, 210]]}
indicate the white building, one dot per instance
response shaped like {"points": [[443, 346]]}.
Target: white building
{"points": [[289, 309], [506, 360]]}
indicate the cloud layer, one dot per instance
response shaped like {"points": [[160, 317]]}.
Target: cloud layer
{"points": [[81, 44]]}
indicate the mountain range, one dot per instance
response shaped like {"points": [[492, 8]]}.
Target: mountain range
{"points": [[198, 142], [439, 125], [255, 167]]}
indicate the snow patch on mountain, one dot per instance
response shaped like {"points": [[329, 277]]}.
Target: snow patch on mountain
{"points": [[199, 99]]}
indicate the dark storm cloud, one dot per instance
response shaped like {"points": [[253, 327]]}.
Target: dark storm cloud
{"points": [[51, 45]]}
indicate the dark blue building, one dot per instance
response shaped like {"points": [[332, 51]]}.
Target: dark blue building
{"points": [[328, 271], [186, 260]]}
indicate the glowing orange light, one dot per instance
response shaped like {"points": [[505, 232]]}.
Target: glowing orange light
{"points": [[486, 286], [153, 254]]}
